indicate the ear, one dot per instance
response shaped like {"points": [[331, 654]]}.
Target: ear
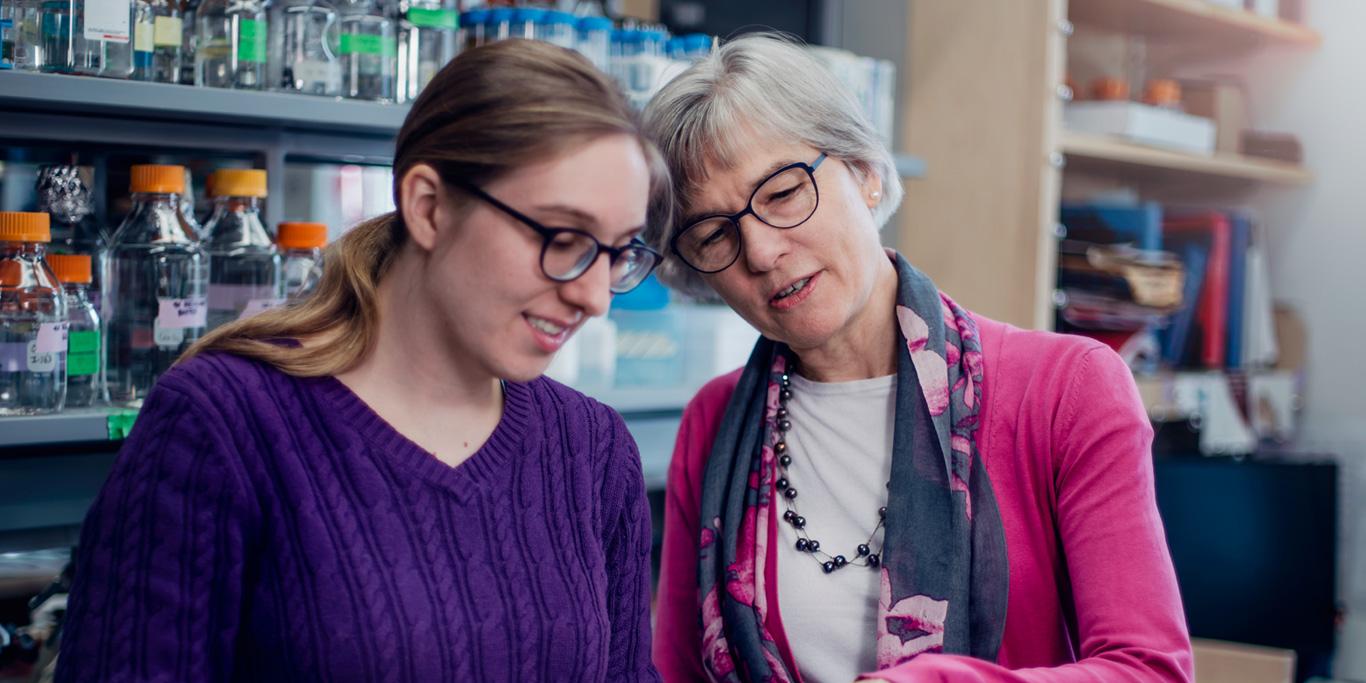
{"points": [[424, 206], [871, 184]]}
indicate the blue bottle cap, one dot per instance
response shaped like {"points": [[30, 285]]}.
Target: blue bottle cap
{"points": [[595, 24], [524, 15]]}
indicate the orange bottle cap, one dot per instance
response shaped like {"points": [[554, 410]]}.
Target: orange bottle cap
{"points": [[157, 179], [295, 235], [1110, 89], [238, 182], [71, 267], [25, 226]]}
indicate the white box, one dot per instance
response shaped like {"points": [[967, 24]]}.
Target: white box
{"points": [[1142, 123]]}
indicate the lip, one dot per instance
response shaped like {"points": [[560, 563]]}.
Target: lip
{"points": [[550, 343], [797, 298]]}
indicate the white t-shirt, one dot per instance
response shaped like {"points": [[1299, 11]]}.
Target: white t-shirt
{"points": [[841, 448]]}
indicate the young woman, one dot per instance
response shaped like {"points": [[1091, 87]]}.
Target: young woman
{"points": [[377, 484], [894, 487]]}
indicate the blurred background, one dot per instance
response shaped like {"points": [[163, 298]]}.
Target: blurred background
{"points": [[1176, 178]]}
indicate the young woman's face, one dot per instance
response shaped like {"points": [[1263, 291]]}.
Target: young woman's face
{"points": [[485, 277]]}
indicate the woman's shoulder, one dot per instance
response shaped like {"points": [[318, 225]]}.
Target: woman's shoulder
{"points": [[1052, 374]]}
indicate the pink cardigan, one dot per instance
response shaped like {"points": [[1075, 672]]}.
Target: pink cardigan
{"points": [[1067, 446]]}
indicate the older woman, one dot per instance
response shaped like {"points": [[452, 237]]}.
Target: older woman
{"points": [[893, 486]]}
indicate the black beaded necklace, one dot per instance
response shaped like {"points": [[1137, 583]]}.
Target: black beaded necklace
{"points": [[829, 563]]}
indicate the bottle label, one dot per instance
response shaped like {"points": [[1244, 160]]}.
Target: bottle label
{"points": [[108, 20], [40, 360], [357, 44], [251, 41], [169, 32], [143, 38], [259, 306], [167, 337], [181, 314], [83, 353], [309, 73], [434, 18], [13, 356], [52, 337]]}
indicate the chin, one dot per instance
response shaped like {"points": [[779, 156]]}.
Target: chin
{"points": [[522, 370]]}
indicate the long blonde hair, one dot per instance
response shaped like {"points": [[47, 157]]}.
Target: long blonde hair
{"points": [[489, 111]]}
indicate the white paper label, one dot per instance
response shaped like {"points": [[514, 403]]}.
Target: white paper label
{"points": [[108, 20], [168, 32], [39, 360], [310, 72], [142, 37], [167, 337], [51, 337], [258, 306], [180, 314]]}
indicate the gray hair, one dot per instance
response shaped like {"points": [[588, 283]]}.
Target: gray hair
{"points": [[758, 83]]}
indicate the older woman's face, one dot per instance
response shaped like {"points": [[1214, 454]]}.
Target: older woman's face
{"points": [[832, 259]]}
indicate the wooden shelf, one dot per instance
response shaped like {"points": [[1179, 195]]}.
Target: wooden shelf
{"points": [[1108, 153], [1181, 20]]}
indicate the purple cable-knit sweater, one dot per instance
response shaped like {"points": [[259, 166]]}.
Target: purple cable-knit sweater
{"points": [[263, 527]]}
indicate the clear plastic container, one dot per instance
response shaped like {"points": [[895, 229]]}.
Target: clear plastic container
{"points": [[24, 43], [154, 305], [426, 42], [6, 44], [524, 21], [303, 38], [83, 331], [158, 32], [230, 44], [301, 245], [472, 28], [558, 28], [87, 37], [244, 267], [595, 41], [32, 319], [369, 52], [64, 195], [498, 24]]}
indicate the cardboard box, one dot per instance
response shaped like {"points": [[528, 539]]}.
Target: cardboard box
{"points": [[1142, 123], [1223, 102], [1218, 661]]}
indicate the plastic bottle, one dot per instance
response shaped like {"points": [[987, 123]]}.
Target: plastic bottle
{"points": [[157, 36], [6, 42], [32, 319], [303, 39], [87, 38], [24, 45], [64, 196], [154, 304], [245, 274], [524, 21], [302, 246], [498, 24], [472, 28], [426, 42], [595, 41], [558, 28], [83, 336], [230, 44], [369, 52]]}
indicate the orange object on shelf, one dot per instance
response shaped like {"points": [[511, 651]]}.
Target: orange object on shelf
{"points": [[297, 235], [73, 268], [157, 179], [1162, 92], [1108, 89], [24, 226]]}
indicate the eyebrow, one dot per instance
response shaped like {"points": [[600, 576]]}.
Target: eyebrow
{"points": [[588, 220], [753, 185]]}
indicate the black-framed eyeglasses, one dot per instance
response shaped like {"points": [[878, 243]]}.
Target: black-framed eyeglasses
{"points": [[783, 200], [568, 253]]}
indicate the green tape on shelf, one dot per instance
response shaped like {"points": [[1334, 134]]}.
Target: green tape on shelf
{"points": [[120, 424]]}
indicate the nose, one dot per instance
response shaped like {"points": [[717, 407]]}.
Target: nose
{"points": [[763, 244], [592, 291]]}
